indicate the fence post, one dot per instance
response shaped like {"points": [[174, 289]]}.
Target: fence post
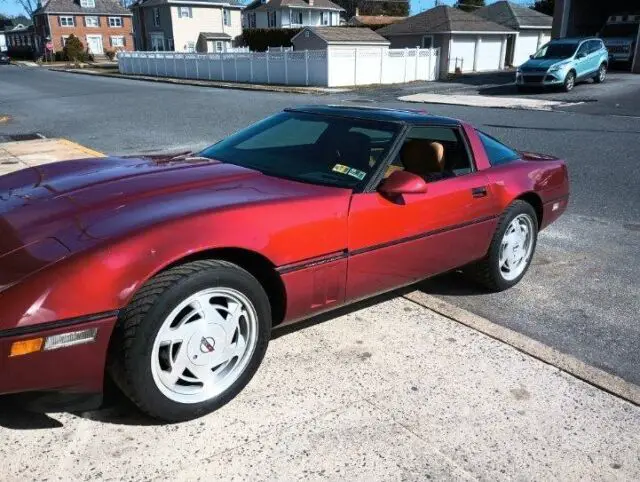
{"points": [[306, 67], [406, 55], [268, 78], [155, 61], [209, 65], [383, 52], [164, 62], [235, 64], [148, 65], [175, 66], [355, 66], [184, 57], [222, 64], [286, 70], [417, 59], [251, 66], [197, 69], [429, 64]]}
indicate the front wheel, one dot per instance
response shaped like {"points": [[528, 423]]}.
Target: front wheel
{"points": [[569, 82], [191, 339], [511, 249], [601, 75]]}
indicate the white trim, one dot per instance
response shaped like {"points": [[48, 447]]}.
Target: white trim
{"points": [[97, 35], [535, 27], [474, 32], [114, 17], [73, 20]]}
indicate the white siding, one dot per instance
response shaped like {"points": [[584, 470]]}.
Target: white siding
{"points": [[526, 44], [283, 18], [206, 19]]}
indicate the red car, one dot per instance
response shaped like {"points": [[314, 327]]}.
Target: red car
{"points": [[168, 273]]}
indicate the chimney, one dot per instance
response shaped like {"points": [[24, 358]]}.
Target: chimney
{"points": [[357, 12], [310, 3]]}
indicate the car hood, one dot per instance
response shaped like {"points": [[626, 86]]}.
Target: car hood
{"points": [[83, 202], [541, 64]]}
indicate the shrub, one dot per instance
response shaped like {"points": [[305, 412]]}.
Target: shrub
{"points": [[260, 38], [111, 54], [73, 49], [21, 53]]}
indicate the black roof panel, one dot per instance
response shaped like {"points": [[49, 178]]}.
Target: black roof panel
{"points": [[377, 113]]}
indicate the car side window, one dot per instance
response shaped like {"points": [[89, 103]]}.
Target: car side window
{"points": [[434, 153], [594, 46], [496, 151], [583, 49]]}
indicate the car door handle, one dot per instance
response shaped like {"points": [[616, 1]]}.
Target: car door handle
{"points": [[479, 191]]}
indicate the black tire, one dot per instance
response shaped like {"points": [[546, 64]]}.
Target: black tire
{"points": [[569, 82], [487, 271], [600, 74], [138, 324]]}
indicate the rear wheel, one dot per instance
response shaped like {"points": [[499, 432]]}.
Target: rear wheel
{"points": [[511, 249], [569, 82], [601, 74], [191, 339]]}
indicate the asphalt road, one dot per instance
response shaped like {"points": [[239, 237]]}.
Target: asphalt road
{"points": [[582, 295]]}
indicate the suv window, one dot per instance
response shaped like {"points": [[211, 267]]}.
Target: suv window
{"points": [[584, 49], [594, 46], [496, 151]]}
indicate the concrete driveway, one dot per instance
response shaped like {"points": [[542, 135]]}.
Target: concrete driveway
{"points": [[386, 391]]}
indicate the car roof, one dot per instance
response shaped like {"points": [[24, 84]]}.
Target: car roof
{"points": [[376, 113], [572, 40]]}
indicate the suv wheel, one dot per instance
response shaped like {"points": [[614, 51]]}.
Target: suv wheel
{"points": [[569, 82], [602, 73]]}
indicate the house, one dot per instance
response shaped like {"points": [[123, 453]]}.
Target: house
{"points": [[187, 26], [533, 28], [22, 37], [99, 24], [373, 21], [291, 13], [467, 43], [334, 38], [3, 41]]}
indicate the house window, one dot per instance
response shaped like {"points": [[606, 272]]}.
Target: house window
{"points": [[219, 46], [324, 18], [64, 40], [67, 21], [252, 19], [115, 21], [296, 18], [88, 3], [427, 42], [156, 17], [92, 21], [185, 12], [271, 19], [226, 16], [117, 41], [191, 46]]}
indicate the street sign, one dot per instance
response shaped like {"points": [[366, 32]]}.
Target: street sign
{"points": [[49, 45]]}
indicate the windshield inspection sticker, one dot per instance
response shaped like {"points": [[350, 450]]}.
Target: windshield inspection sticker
{"points": [[357, 173], [341, 169]]}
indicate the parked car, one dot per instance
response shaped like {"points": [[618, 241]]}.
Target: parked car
{"points": [[619, 35], [171, 271], [563, 62], [4, 58]]}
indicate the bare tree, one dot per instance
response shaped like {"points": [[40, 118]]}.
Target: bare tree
{"points": [[29, 6]]}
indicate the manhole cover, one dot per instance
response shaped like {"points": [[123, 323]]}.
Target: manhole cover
{"points": [[26, 137]]}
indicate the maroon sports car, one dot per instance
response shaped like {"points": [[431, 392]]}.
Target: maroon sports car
{"points": [[167, 273]]}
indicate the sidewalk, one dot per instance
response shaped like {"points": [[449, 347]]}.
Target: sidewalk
{"points": [[22, 154], [389, 392]]}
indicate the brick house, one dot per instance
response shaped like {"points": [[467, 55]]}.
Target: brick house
{"points": [[99, 24]]}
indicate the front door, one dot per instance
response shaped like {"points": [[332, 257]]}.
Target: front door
{"points": [[582, 60], [397, 242], [94, 44]]}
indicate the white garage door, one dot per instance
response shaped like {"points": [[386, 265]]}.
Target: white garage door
{"points": [[489, 53], [526, 45], [463, 49]]}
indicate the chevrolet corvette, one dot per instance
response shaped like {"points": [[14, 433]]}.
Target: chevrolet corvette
{"points": [[167, 273]]}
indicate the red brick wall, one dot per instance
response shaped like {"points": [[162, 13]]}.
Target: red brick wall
{"points": [[81, 31]]}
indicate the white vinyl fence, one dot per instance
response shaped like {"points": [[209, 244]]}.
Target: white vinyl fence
{"points": [[332, 68]]}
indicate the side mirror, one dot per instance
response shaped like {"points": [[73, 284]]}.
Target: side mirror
{"points": [[402, 182], [531, 56]]}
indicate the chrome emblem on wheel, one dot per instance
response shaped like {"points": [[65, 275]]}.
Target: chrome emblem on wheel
{"points": [[207, 344]]}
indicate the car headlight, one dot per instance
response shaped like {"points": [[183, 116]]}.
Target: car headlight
{"points": [[557, 67]]}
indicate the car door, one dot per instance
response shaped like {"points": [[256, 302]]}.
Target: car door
{"points": [[394, 242], [582, 60]]}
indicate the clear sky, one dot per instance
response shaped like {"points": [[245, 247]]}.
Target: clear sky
{"points": [[11, 7]]}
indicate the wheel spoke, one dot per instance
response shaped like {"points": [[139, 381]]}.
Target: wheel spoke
{"points": [[182, 331], [171, 377], [207, 310]]}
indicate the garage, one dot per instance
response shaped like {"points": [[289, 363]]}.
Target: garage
{"points": [[462, 53], [490, 53], [578, 18], [467, 42], [534, 29]]}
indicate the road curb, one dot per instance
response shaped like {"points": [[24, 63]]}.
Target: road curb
{"points": [[80, 147], [204, 83], [579, 369]]}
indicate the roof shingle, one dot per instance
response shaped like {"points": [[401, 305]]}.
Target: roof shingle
{"points": [[109, 7], [347, 34], [259, 5], [442, 19], [374, 20], [514, 16]]}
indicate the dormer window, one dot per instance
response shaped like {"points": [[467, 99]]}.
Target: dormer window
{"points": [[88, 3]]}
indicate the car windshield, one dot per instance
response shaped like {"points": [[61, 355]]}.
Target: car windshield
{"points": [[619, 30], [556, 51], [313, 148]]}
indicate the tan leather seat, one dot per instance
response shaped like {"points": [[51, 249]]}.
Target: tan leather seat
{"points": [[422, 157]]}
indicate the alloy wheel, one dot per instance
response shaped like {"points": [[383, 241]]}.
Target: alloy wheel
{"points": [[516, 247]]}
